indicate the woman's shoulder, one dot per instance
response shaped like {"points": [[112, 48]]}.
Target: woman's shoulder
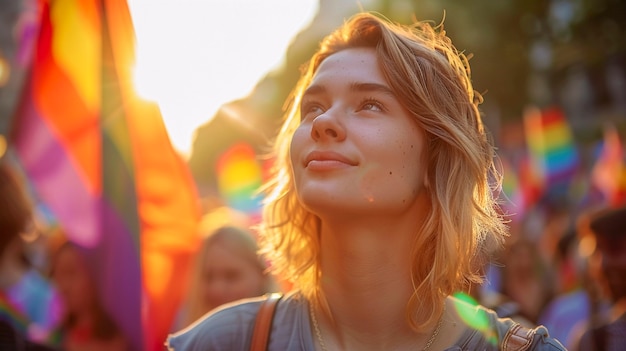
{"points": [[518, 337], [226, 325], [486, 330], [230, 326]]}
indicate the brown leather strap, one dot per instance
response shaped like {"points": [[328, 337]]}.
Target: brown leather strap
{"points": [[517, 338], [263, 323]]}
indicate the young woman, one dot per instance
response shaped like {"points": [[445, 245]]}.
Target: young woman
{"points": [[381, 205], [228, 268]]}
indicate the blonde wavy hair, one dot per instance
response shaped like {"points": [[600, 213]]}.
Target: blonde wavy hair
{"points": [[432, 81]]}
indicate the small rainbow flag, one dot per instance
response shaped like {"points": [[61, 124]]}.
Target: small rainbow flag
{"points": [[100, 158], [551, 147], [513, 201], [521, 186], [10, 314], [609, 172], [239, 176], [530, 182]]}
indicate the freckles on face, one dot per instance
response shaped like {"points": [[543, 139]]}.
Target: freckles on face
{"points": [[397, 178], [350, 113]]}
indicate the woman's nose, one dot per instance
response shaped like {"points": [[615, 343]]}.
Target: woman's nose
{"points": [[327, 126]]}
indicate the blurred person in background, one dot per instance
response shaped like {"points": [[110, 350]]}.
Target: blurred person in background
{"points": [[527, 280], [487, 296], [228, 268], [86, 326], [606, 230], [571, 305], [489, 293], [28, 303]]}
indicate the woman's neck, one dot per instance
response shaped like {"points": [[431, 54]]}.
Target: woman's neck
{"points": [[366, 259], [366, 282]]}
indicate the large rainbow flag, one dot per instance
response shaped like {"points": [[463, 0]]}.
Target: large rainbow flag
{"points": [[100, 158]]}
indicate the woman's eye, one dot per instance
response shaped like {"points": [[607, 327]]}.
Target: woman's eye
{"points": [[308, 110], [372, 105]]}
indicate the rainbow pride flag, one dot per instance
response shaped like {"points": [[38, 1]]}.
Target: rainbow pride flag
{"points": [[9, 313], [521, 186], [609, 172], [511, 196], [551, 147], [530, 182], [239, 177], [100, 158]]}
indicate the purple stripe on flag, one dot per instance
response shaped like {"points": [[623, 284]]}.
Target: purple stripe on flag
{"points": [[117, 263], [48, 165]]}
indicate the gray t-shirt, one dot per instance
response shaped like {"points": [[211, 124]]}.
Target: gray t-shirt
{"points": [[229, 328]]}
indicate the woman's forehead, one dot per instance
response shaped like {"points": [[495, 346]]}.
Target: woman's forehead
{"points": [[357, 67]]}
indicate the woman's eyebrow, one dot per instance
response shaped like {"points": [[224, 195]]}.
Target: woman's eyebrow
{"points": [[371, 87], [355, 86], [314, 90]]}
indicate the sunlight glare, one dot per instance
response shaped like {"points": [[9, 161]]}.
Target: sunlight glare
{"points": [[193, 56]]}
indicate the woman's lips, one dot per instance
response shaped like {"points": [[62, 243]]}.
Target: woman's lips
{"points": [[320, 160]]}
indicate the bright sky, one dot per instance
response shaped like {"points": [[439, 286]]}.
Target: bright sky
{"points": [[195, 55]]}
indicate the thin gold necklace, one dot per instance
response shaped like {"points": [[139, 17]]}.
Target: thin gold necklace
{"points": [[318, 332], [317, 328]]}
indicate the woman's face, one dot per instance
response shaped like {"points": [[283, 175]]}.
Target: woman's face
{"points": [[73, 281], [229, 276], [357, 149]]}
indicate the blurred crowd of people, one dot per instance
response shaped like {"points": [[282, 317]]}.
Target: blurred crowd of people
{"points": [[569, 277], [48, 296]]}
